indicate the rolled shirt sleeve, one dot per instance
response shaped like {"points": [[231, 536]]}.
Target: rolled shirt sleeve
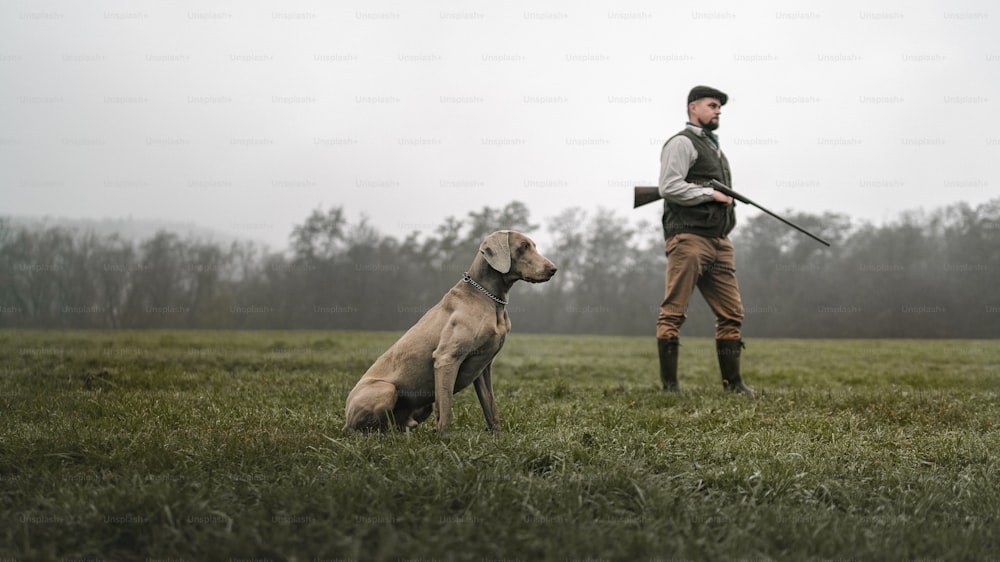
{"points": [[675, 160]]}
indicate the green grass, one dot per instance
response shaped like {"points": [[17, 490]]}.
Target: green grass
{"points": [[228, 445]]}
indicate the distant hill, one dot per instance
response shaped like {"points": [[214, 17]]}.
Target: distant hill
{"points": [[131, 229]]}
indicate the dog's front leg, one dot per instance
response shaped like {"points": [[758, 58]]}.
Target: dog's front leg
{"points": [[484, 389], [444, 388], [447, 360]]}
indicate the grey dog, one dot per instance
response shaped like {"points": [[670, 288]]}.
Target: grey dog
{"points": [[451, 346]]}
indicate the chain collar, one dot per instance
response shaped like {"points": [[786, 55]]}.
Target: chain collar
{"points": [[468, 279]]}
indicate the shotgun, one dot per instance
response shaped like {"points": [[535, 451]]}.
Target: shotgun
{"points": [[645, 194]]}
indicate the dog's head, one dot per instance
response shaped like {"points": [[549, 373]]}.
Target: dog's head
{"points": [[515, 255]]}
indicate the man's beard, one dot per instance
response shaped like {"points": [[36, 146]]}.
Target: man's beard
{"points": [[711, 125]]}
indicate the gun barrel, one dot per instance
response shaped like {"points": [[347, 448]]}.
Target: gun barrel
{"points": [[722, 188]]}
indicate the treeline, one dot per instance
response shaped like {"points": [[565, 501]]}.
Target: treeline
{"points": [[921, 275]]}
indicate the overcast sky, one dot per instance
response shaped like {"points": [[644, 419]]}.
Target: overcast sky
{"points": [[245, 116]]}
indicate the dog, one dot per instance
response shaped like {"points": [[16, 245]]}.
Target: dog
{"points": [[452, 346]]}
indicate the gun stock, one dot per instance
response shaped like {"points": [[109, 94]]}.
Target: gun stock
{"points": [[645, 195]]}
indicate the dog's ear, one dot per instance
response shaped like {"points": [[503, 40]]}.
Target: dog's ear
{"points": [[496, 249]]}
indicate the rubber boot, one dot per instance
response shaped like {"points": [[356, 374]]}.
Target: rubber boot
{"points": [[668, 363], [729, 363]]}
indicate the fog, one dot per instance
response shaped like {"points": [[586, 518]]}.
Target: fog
{"points": [[244, 117]]}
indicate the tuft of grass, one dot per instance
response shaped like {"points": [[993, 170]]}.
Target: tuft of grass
{"points": [[227, 445]]}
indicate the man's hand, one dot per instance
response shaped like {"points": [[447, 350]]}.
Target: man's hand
{"points": [[722, 198]]}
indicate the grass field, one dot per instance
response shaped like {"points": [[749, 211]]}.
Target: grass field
{"points": [[224, 446]]}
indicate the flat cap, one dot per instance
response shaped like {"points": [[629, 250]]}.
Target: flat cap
{"points": [[699, 92]]}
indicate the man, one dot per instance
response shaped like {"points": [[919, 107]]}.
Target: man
{"points": [[696, 222]]}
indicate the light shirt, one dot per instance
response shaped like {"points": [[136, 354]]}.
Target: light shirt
{"points": [[675, 160]]}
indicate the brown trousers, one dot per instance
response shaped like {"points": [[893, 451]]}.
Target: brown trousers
{"points": [[708, 264]]}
